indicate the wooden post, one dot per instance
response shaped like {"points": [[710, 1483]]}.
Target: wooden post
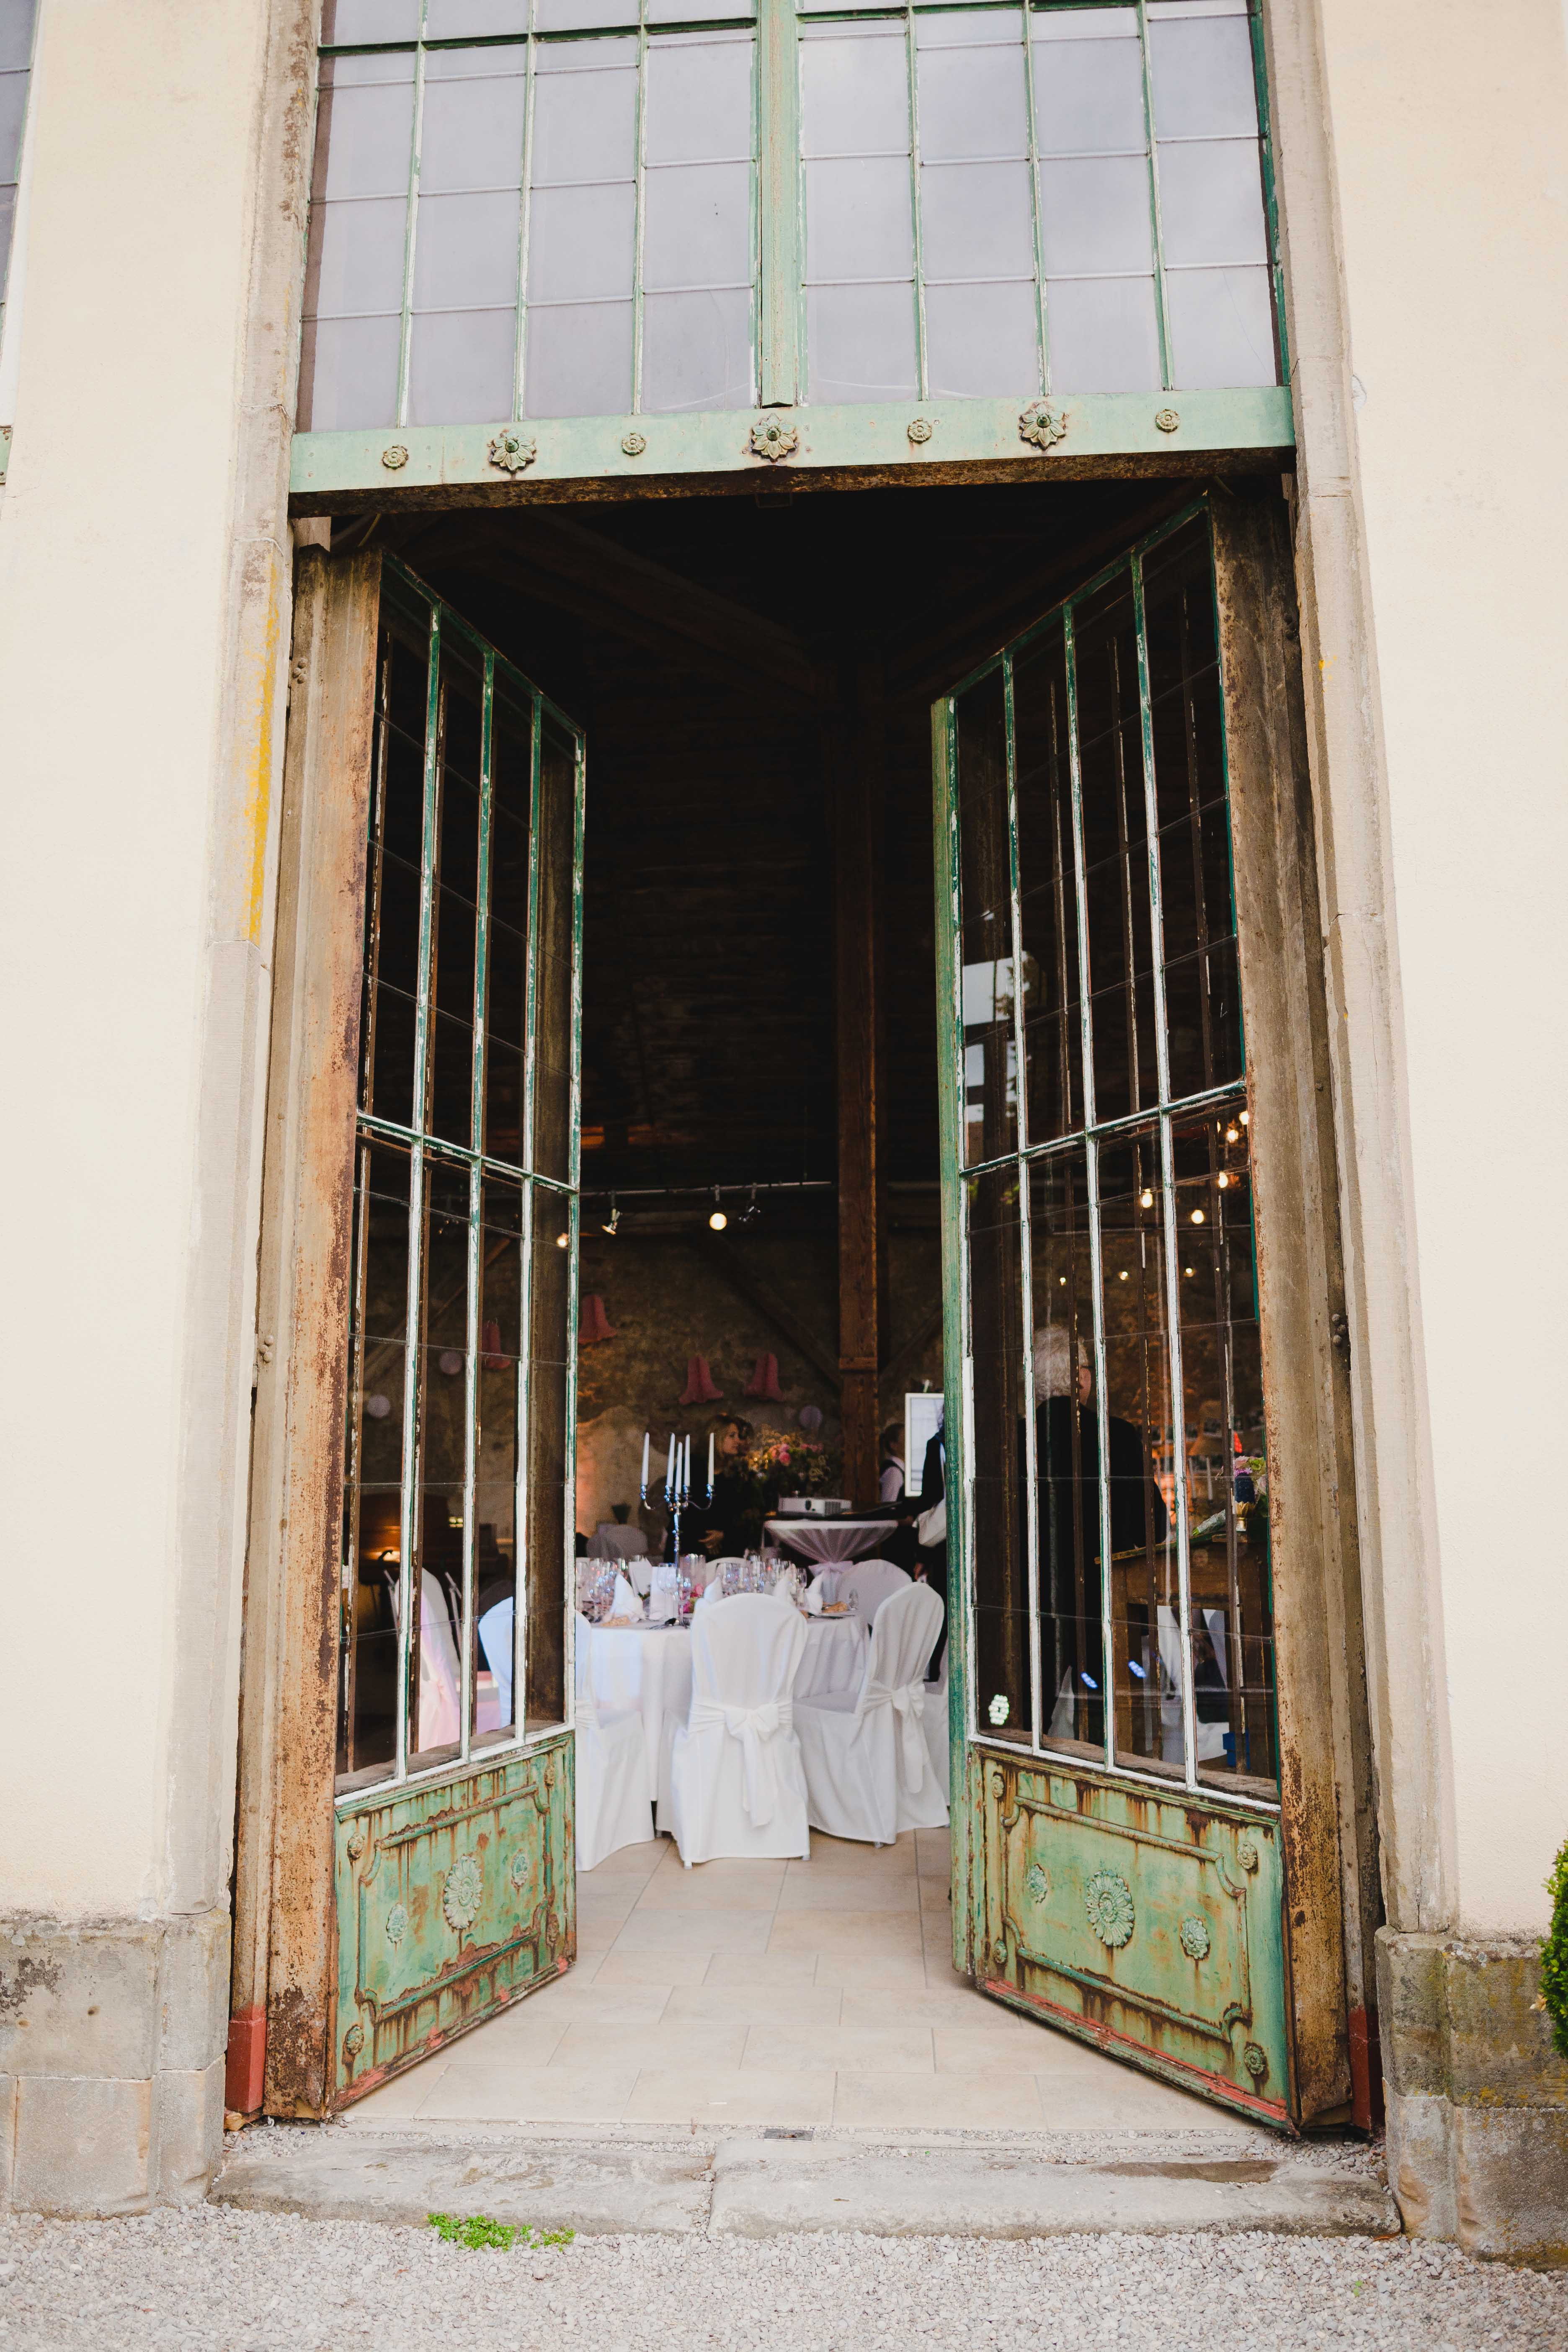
{"points": [[856, 787], [282, 1992]]}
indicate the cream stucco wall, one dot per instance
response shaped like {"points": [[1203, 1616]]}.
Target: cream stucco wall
{"points": [[1449, 127], [132, 921]]}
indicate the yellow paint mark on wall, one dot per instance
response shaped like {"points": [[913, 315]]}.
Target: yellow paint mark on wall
{"points": [[258, 778]]}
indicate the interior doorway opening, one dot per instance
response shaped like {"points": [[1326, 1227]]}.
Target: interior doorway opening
{"points": [[760, 1251]]}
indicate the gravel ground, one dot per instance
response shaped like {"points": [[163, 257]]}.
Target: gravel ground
{"points": [[234, 2282]]}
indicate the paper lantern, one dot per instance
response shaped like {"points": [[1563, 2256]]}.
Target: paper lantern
{"points": [[594, 1324]]}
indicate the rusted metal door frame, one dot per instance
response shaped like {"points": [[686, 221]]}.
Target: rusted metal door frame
{"points": [[282, 1987], [1325, 1749], [1325, 1812]]}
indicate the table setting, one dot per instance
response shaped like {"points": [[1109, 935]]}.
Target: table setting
{"points": [[640, 1650]]}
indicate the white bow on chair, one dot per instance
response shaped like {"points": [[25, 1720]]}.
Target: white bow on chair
{"points": [[909, 1704], [756, 1727]]}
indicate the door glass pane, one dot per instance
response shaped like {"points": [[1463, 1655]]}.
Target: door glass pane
{"points": [[550, 1477], [392, 876], [1047, 883], [1227, 1475], [496, 1469], [1202, 992], [1115, 853], [555, 995], [1144, 1576], [1066, 1455], [457, 893], [990, 1058], [373, 1486], [997, 1532], [437, 1646], [506, 1011]]}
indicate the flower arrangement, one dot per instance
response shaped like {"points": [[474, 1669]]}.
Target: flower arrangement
{"points": [[791, 1465]]}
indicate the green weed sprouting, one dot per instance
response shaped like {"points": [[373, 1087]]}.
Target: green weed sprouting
{"points": [[477, 2229], [1554, 1954]]}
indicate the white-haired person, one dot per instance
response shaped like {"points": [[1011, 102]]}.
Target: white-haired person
{"points": [[1067, 1470]]}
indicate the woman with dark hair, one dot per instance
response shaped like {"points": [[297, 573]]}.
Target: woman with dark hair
{"points": [[736, 1507]]}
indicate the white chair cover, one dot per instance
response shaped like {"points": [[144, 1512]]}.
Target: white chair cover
{"points": [[868, 1769], [615, 1798], [736, 1785], [612, 1541], [936, 1728], [869, 1583], [440, 1677], [496, 1641]]}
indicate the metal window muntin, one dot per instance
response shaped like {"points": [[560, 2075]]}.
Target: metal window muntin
{"points": [[1158, 1120], [776, 241], [416, 608]]}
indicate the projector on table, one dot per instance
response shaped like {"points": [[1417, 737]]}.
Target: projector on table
{"points": [[814, 1506]]}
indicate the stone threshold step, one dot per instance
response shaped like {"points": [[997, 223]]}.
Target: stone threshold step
{"points": [[762, 2188]]}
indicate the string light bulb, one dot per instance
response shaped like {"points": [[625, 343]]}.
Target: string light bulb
{"points": [[1145, 1198], [717, 1220], [1233, 1135], [563, 1241], [1245, 1119], [1222, 1180], [1197, 1217]]}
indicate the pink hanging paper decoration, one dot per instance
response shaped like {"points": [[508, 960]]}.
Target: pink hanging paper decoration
{"points": [[699, 1388], [764, 1380], [492, 1359], [594, 1324]]}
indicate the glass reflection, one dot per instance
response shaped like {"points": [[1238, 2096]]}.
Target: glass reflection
{"points": [[990, 1051]]}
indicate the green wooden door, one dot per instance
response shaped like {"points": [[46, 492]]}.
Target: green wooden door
{"points": [[454, 1862], [1117, 1839]]}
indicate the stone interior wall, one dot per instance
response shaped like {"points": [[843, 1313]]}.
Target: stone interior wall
{"points": [[667, 1297]]}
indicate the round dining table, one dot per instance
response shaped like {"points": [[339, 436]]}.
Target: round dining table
{"points": [[823, 1542], [646, 1670]]}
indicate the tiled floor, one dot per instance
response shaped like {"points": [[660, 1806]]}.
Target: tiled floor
{"points": [[746, 1993]]}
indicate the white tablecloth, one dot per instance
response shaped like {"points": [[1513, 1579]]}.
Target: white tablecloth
{"points": [[827, 1539], [651, 1672]]}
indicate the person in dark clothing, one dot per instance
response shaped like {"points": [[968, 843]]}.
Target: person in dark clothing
{"points": [[934, 1557], [734, 1511], [1067, 1471]]}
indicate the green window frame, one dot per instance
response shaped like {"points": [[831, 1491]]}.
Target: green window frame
{"points": [[1021, 1206], [914, 427], [441, 1110]]}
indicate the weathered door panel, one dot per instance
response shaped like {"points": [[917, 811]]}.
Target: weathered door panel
{"points": [[453, 1901], [1145, 1925], [1143, 1779], [409, 1593]]}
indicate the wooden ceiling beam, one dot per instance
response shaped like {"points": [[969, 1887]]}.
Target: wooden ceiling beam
{"points": [[663, 612], [934, 662]]}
